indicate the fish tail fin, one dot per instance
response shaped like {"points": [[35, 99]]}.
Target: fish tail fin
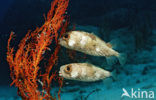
{"points": [[108, 81], [114, 44], [122, 57], [114, 75], [111, 60]]}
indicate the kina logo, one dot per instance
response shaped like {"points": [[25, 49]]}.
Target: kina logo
{"points": [[137, 93]]}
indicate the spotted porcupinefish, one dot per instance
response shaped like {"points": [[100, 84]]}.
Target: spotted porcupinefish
{"points": [[90, 44], [83, 72]]}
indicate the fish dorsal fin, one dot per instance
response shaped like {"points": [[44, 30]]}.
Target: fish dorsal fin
{"points": [[88, 64], [109, 45], [92, 36]]}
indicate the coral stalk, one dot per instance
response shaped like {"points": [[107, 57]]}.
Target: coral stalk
{"points": [[25, 62]]}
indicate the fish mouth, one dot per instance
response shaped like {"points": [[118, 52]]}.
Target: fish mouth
{"points": [[59, 40], [60, 74]]}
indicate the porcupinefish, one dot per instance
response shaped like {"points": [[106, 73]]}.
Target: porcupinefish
{"points": [[83, 72], [90, 44]]}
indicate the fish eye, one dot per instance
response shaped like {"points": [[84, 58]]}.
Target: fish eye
{"points": [[68, 69]]}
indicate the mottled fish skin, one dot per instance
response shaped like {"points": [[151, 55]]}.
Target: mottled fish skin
{"points": [[87, 43], [83, 72]]}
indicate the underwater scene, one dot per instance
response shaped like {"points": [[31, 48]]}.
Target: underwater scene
{"points": [[78, 50]]}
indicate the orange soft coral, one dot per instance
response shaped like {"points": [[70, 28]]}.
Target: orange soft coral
{"points": [[24, 64]]}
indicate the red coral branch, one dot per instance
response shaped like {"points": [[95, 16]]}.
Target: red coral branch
{"points": [[25, 63]]}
